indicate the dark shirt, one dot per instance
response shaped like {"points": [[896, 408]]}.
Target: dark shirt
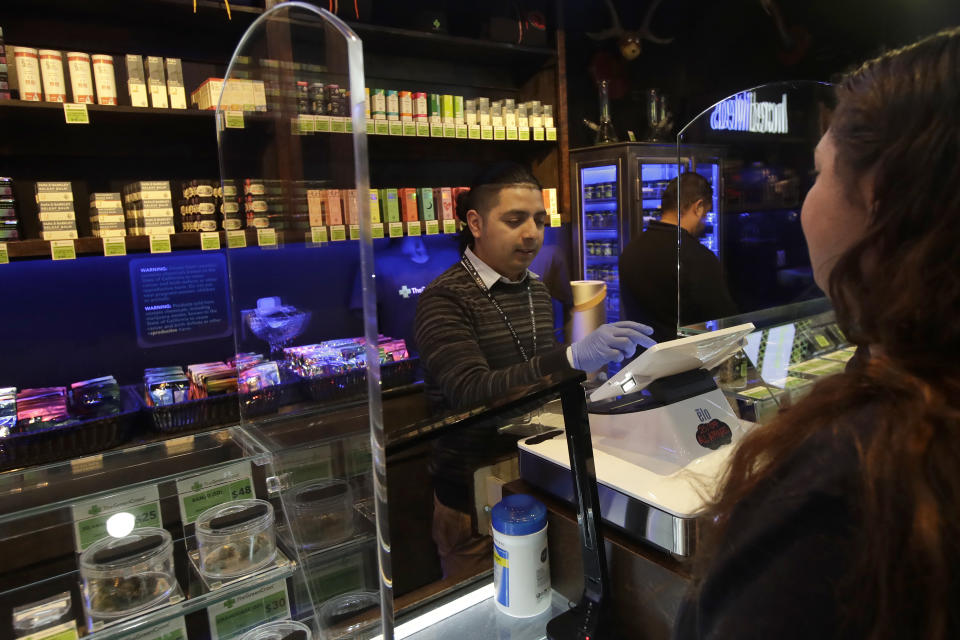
{"points": [[788, 547], [648, 281], [470, 358]]}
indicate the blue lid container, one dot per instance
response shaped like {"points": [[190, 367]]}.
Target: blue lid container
{"points": [[519, 515]]}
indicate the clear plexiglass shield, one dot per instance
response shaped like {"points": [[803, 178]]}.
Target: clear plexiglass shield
{"points": [[294, 203]]}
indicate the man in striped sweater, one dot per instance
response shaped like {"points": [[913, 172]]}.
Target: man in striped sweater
{"points": [[483, 326]]}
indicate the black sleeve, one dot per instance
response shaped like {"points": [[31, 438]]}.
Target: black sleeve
{"points": [[707, 295]]}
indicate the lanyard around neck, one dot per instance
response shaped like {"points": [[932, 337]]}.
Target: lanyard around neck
{"points": [[506, 320]]}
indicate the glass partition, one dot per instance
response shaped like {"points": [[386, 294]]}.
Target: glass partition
{"points": [[764, 138], [294, 199], [760, 269]]}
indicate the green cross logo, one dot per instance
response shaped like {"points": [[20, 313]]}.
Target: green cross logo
{"points": [[229, 603], [436, 23], [197, 486], [405, 291], [94, 510]]}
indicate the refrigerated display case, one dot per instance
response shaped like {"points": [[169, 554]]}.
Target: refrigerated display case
{"points": [[618, 190]]}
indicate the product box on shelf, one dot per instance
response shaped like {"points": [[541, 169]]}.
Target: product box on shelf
{"points": [[136, 81], [239, 95], [25, 76], [408, 204], [51, 71], [55, 210], [105, 79], [157, 82], [175, 86], [425, 204], [443, 199], [81, 78], [333, 207], [375, 215], [350, 206], [390, 205]]}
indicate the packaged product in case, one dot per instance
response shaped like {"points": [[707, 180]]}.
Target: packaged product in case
{"points": [[378, 105], [444, 197], [446, 108], [550, 201], [279, 630], [95, 398], [406, 106], [175, 87], [315, 205], [350, 206], [375, 215], [548, 115], [27, 67], [333, 208], [104, 79], [257, 377], [425, 206], [124, 576], [81, 79], [390, 205], [157, 82], [165, 386], [53, 192], [136, 81], [323, 513], [236, 538], [393, 104], [32, 618], [51, 70], [408, 205], [42, 405], [420, 106], [207, 94]]}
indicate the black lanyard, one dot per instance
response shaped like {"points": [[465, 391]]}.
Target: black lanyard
{"points": [[533, 320]]}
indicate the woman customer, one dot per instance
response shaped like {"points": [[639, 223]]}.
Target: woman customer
{"points": [[842, 518]]}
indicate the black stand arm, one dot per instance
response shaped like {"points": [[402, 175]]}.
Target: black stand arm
{"points": [[591, 619]]}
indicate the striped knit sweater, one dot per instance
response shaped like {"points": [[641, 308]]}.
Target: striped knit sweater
{"points": [[471, 358]]}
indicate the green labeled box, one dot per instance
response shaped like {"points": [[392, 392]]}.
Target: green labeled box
{"points": [[390, 205]]}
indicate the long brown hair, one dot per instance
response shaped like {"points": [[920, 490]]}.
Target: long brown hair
{"points": [[896, 290]]}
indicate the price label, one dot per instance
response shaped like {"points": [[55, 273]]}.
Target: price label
{"points": [[177, 446], [321, 124], [382, 127], [462, 132], [160, 243], [65, 631], [396, 229], [512, 133], [338, 125], [75, 113], [237, 239], [436, 130], [499, 133], [354, 232], [63, 250], [413, 229], [486, 133], [821, 340], [267, 237], [423, 129], [4, 255], [209, 241], [318, 235], [523, 133], [551, 133], [114, 247], [200, 492], [170, 630], [348, 125], [376, 231], [370, 127], [409, 128], [473, 132], [396, 128], [449, 226], [234, 120], [90, 516], [307, 124], [338, 233], [538, 134], [449, 131], [555, 220], [433, 227], [239, 614]]}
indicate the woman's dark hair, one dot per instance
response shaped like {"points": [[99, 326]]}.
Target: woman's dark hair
{"points": [[485, 190], [897, 290]]}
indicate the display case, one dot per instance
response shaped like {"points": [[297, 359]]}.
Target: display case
{"points": [[133, 514]]}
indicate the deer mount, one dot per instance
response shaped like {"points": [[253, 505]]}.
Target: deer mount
{"points": [[630, 42]]}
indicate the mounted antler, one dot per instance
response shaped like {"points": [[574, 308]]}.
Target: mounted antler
{"points": [[630, 42]]}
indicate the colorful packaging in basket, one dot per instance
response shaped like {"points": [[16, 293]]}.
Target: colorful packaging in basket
{"points": [[258, 377], [211, 379], [165, 386], [8, 410], [246, 360], [95, 398], [43, 405]]}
